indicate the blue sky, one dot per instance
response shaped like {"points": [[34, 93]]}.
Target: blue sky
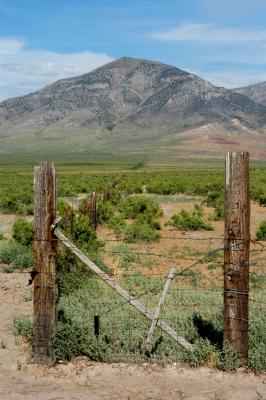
{"points": [[42, 41]]}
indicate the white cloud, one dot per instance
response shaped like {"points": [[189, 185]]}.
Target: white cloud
{"points": [[211, 33], [23, 71], [9, 46], [232, 79]]}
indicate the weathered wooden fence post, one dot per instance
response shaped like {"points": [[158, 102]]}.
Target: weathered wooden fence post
{"points": [[236, 252], [45, 243]]}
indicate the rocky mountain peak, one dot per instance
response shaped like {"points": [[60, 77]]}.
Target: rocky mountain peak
{"points": [[133, 99]]}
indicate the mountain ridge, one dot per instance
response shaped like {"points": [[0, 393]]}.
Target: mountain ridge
{"points": [[127, 101], [256, 92]]}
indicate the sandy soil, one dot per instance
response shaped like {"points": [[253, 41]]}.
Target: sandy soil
{"points": [[83, 379], [6, 222], [179, 248]]}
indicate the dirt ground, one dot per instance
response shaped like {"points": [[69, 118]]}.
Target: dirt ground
{"points": [[180, 248], [83, 379]]}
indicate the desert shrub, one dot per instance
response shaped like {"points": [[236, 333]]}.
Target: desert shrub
{"points": [[195, 277], [262, 199], [114, 196], [148, 219], [71, 275], [219, 209], [257, 349], [71, 340], [67, 216], [189, 221], [228, 359], [22, 326], [71, 281], [117, 223], [141, 231], [2, 237], [261, 231], [215, 198], [138, 283], [9, 204], [203, 351], [212, 195], [133, 206], [17, 203], [257, 281], [23, 260], [105, 212], [85, 236], [124, 254], [83, 232], [16, 254], [141, 208], [22, 231]]}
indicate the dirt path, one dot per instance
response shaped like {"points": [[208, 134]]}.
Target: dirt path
{"points": [[82, 379]]}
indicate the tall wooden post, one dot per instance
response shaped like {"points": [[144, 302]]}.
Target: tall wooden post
{"points": [[236, 252], [45, 243]]}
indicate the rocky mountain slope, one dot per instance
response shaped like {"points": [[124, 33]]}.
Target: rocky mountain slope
{"points": [[255, 92], [128, 102]]}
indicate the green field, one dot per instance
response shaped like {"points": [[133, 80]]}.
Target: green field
{"points": [[16, 180]]}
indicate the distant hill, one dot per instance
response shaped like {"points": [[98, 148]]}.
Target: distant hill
{"points": [[255, 92], [133, 105]]}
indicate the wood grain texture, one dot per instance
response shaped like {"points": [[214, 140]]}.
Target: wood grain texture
{"points": [[45, 243], [236, 254], [160, 305]]}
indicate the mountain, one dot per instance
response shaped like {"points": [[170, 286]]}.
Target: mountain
{"points": [[255, 92], [132, 105]]}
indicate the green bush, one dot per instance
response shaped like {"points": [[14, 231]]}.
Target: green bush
{"points": [[22, 231], [134, 206], [16, 203], [85, 236], [262, 199], [189, 221], [76, 339], [203, 351], [117, 223], [2, 237], [16, 254], [219, 209], [215, 198], [194, 276], [105, 212], [257, 281], [67, 216], [22, 326], [257, 348], [261, 232], [149, 220], [124, 254], [228, 359], [70, 281], [140, 231]]}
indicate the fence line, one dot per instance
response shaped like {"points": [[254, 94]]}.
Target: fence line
{"points": [[236, 250]]}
